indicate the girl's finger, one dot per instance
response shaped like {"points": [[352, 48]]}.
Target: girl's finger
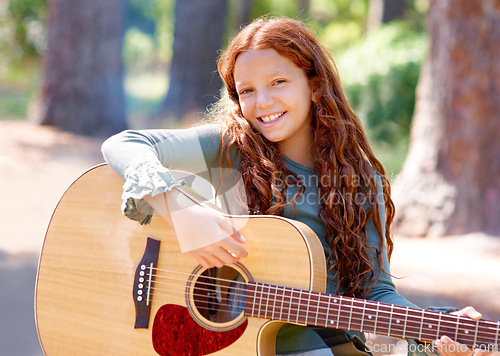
{"points": [[230, 230], [234, 248]]}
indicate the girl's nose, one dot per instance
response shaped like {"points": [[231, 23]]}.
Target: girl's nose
{"points": [[264, 100]]}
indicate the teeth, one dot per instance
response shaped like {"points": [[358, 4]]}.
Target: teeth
{"points": [[271, 118]]}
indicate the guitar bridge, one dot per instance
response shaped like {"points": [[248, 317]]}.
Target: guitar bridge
{"points": [[143, 283]]}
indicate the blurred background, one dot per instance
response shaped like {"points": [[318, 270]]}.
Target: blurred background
{"points": [[423, 76]]}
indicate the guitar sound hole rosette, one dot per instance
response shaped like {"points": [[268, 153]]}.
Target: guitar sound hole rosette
{"points": [[215, 297]]}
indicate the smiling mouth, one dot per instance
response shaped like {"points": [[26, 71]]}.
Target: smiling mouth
{"points": [[271, 118]]}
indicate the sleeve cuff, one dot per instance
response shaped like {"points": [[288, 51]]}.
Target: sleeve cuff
{"points": [[145, 178]]}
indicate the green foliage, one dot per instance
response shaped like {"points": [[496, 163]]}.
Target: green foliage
{"points": [[147, 50], [162, 15], [380, 75], [338, 23], [22, 30], [275, 7], [17, 88], [139, 50], [144, 93]]}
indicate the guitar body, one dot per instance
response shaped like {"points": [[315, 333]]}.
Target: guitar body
{"points": [[86, 291]]}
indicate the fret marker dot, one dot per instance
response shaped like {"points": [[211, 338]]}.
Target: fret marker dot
{"points": [[398, 321], [430, 326], [369, 316], [466, 331], [331, 322]]}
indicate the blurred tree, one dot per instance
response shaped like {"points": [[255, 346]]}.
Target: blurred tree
{"points": [[27, 17], [384, 11], [194, 83], [382, 90], [243, 11], [82, 84], [138, 14], [450, 183], [304, 6]]}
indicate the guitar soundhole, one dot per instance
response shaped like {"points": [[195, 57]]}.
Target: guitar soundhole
{"points": [[217, 297], [213, 319]]}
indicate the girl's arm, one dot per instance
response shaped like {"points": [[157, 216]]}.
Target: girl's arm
{"points": [[144, 158]]}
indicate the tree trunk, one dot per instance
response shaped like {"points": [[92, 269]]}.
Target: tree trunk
{"points": [[384, 11], [82, 89], [194, 82], [304, 6], [450, 183], [244, 10]]}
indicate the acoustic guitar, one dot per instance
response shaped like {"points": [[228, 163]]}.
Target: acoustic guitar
{"points": [[107, 285]]}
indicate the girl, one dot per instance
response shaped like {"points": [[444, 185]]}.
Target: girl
{"points": [[285, 124]]}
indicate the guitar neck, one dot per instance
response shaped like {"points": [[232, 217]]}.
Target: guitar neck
{"points": [[332, 311]]}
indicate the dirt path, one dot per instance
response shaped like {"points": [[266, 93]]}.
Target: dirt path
{"points": [[37, 164]]}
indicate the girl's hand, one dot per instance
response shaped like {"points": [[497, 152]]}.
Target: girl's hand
{"points": [[218, 254], [206, 234], [447, 347]]}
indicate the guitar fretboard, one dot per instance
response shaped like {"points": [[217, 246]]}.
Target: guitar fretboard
{"points": [[332, 311]]}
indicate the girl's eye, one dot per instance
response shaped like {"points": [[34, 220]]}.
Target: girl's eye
{"points": [[245, 91], [279, 81]]}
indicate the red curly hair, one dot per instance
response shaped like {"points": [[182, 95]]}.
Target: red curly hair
{"points": [[342, 158]]}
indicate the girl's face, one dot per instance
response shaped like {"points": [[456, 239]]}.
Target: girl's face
{"points": [[275, 96]]}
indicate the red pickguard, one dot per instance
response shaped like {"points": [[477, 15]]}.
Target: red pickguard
{"points": [[176, 333]]}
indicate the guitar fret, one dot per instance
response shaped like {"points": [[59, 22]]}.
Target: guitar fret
{"points": [[370, 319], [406, 319], [326, 306], [496, 337], [260, 304], [363, 316], [289, 304], [376, 319], [448, 325], [268, 294], [413, 323], [429, 327], [254, 299], [318, 308], [468, 331], [384, 318], [475, 334], [340, 307], [328, 320], [276, 289], [298, 306], [308, 305], [421, 325], [262, 310], [350, 316], [390, 320], [282, 307], [438, 331], [398, 325], [356, 322]]}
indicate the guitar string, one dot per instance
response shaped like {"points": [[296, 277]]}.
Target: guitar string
{"points": [[422, 334], [403, 311], [298, 310], [183, 300], [451, 318]]}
